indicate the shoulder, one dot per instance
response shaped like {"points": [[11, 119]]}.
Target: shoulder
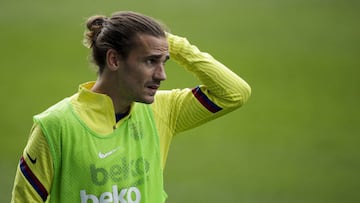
{"points": [[54, 110], [54, 118]]}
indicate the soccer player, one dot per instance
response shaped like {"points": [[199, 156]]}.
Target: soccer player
{"points": [[109, 141]]}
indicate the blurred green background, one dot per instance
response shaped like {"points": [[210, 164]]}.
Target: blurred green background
{"points": [[295, 141]]}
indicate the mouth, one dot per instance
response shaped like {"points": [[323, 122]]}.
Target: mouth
{"points": [[153, 88]]}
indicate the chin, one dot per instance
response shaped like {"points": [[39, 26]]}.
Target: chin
{"points": [[146, 100]]}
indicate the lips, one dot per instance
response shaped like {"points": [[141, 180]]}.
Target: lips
{"points": [[155, 87]]}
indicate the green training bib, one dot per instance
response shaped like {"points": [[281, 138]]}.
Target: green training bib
{"points": [[123, 166]]}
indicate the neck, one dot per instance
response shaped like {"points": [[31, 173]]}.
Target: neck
{"points": [[102, 87]]}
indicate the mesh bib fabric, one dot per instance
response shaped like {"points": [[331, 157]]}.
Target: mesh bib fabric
{"points": [[123, 166]]}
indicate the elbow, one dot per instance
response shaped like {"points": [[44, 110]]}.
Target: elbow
{"points": [[244, 95], [245, 92], [238, 96]]}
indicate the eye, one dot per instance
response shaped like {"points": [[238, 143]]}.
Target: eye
{"points": [[150, 61], [166, 59], [156, 60]]}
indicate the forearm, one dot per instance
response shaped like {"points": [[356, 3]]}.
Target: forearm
{"points": [[35, 170], [23, 191], [221, 85]]}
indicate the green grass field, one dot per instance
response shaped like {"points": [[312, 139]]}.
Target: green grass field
{"points": [[295, 141]]}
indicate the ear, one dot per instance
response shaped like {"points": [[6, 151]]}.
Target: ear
{"points": [[112, 59]]}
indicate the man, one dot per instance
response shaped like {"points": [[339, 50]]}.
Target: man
{"points": [[109, 141]]}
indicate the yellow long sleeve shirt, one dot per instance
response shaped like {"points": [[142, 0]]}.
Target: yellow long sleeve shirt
{"points": [[174, 111]]}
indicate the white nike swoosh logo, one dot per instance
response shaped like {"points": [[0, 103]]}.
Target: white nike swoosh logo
{"points": [[106, 154]]}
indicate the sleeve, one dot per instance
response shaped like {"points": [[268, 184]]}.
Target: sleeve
{"points": [[35, 170], [221, 91]]}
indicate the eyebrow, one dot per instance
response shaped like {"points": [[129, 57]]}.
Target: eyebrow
{"points": [[159, 56]]}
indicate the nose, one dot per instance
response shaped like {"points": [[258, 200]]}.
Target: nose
{"points": [[160, 73]]}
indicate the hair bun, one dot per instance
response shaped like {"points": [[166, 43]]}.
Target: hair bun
{"points": [[94, 25]]}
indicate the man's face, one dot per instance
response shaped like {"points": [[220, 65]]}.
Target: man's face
{"points": [[143, 70]]}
